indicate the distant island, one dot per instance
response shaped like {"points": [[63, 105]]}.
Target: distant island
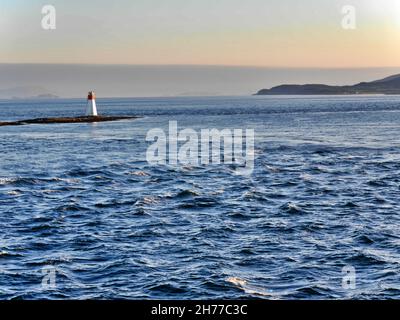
{"points": [[39, 96], [389, 85], [27, 92]]}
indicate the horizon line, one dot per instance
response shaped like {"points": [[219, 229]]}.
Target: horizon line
{"points": [[200, 96], [200, 65]]}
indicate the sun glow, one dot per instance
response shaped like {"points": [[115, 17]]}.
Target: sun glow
{"points": [[387, 10]]}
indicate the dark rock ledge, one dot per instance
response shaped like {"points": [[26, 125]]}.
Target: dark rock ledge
{"points": [[84, 119]]}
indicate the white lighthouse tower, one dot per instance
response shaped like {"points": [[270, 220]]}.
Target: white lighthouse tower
{"points": [[91, 110]]}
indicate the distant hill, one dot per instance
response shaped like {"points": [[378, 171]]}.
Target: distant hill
{"points": [[26, 92], [389, 85]]}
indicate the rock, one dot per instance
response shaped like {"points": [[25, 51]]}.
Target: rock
{"points": [[84, 119]]}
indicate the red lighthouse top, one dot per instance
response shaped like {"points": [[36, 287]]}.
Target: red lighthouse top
{"points": [[91, 95]]}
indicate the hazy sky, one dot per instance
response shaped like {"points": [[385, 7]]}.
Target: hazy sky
{"points": [[277, 33]]}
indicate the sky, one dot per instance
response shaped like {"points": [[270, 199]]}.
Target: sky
{"points": [[277, 34], [273, 33]]}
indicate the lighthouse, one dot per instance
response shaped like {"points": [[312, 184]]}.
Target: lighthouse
{"points": [[91, 110]]}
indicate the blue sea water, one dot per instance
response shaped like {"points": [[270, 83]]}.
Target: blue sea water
{"points": [[82, 199]]}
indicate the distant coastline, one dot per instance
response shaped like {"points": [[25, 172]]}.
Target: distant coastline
{"points": [[389, 85], [27, 92], [39, 96]]}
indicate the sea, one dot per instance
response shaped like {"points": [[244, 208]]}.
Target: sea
{"points": [[83, 215]]}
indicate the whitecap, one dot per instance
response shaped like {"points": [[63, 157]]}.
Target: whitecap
{"points": [[150, 200], [138, 173], [306, 177], [14, 193], [272, 169], [248, 288], [4, 181], [47, 191]]}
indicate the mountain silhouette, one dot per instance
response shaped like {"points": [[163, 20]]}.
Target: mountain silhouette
{"points": [[389, 85]]}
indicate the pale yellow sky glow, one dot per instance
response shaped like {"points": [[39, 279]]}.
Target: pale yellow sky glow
{"points": [[240, 33]]}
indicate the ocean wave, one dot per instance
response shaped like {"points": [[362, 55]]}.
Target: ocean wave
{"points": [[292, 208], [116, 203], [71, 207], [249, 288], [18, 181], [364, 239], [14, 193], [148, 200], [365, 258], [184, 194], [139, 173], [7, 254], [199, 203], [166, 288], [24, 181]]}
